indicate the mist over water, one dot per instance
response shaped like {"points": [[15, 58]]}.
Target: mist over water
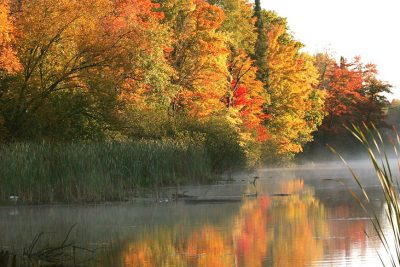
{"points": [[302, 216]]}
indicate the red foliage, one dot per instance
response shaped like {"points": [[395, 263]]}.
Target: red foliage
{"points": [[344, 97], [251, 111]]}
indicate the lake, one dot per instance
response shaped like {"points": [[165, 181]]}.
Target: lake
{"points": [[302, 216]]}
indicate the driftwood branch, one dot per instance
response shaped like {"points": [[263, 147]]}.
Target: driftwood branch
{"points": [[63, 254]]}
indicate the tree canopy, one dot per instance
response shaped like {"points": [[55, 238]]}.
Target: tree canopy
{"points": [[227, 73]]}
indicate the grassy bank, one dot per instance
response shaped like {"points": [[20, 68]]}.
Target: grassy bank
{"points": [[43, 173]]}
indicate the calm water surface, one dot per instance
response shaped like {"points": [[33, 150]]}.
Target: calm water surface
{"points": [[301, 217]]}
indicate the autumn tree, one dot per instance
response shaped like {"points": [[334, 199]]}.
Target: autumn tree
{"points": [[343, 96], [245, 95], [245, 100], [374, 92], [225, 73], [79, 61], [295, 107], [198, 56], [354, 93]]}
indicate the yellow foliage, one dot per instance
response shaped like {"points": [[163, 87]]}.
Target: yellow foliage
{"points": [[292, 79]]}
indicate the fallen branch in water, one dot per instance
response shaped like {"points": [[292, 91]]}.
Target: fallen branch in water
{"points": [[62, 255]]}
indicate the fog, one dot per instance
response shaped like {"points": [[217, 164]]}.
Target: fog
{"points": [[312, 196]]}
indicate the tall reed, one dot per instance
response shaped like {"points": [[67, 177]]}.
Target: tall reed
{"points": [[376, 147], [97, 171]]}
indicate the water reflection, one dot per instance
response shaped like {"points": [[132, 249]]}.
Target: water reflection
{"points": [[300, 226], [160, 251], [267, 231], [251, 236], [308, 221], [350, 226]]}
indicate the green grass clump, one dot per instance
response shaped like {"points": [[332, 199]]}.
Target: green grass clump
{"points": [[372, 141], [72, 172]]}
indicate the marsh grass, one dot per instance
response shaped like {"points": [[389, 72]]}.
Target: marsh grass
{"points": [[86, 172], [376, 147]]}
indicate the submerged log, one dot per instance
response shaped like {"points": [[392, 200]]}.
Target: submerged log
{"points": [[280, 195], [213, 200], [251, 195], [183, 195]]}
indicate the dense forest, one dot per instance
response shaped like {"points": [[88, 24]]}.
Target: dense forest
{"points": [[226, 76]]}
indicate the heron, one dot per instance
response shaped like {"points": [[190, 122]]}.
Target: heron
{"points": [[254, 183], [254, 180]]}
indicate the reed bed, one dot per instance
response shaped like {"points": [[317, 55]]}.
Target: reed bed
{"points": [[376, 147], [75, 172]]}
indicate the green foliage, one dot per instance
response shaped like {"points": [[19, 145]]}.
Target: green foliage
{"points": [[223, 145], [220, 140]]}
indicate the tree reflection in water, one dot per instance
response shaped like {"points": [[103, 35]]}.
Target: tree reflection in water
{"points": [[267, 231], [299, 227]]}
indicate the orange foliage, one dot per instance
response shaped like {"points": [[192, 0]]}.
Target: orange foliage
{"points": [[208, 248], [8, 59], [207, 16], [199, 59], [250, 236], [297, 220], [128, 12]]}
